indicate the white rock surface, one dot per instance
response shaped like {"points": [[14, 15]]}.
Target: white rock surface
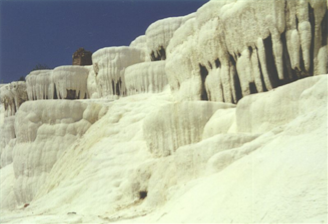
{"points": [[222, 121], [265, 177], [12, 95], [178, 124], [109, 65], [40, 85], [44, 130], [72, 79], [259, 115], [159, 34], [8, 140], [147, 77], [7, 193], [141, 43], [235, 48], [150, 158], [92, 87]]}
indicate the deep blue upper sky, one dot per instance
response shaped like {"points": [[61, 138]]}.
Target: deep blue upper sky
{"points": [[49, 32]]}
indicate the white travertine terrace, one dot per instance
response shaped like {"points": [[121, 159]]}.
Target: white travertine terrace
{"points": [[147, 77], [39, 85], [44, 130], [71, 78], [235, 48], [159, 34], [160, 157], [12, 95], [109, 65], [172, 126]]}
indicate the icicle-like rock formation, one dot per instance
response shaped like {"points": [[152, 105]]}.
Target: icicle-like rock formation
{"points": [[159, 34], [178, 124], [235, 48], [147, 77], [40, 85], [109, 65], [12, 95], [44, 129], [71, 81]]}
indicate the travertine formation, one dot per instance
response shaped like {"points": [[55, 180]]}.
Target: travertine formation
{"points": [[236, 48], [147, 77], [44, 129], [178, 124], [12, 95], [109, 65], [162, 149], [63, 82]]}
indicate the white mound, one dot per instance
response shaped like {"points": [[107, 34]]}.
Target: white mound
{"points": [[266, 169]]}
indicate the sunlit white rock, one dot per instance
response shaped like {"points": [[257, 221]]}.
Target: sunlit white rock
{"points": [[109, 65], [236, 48], [44, 130], [40, 85], [12, 95], [147, 77], [178, 124], [71, 81], [159, 34]]}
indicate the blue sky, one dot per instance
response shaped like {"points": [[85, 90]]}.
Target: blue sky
{"points": [[49, 32]]}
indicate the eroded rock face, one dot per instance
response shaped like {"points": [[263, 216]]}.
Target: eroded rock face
{"points": [[236, 48], [12, 95]]}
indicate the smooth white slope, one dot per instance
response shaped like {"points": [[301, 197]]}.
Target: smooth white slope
{"points": [[96, 170], [279, 177]]}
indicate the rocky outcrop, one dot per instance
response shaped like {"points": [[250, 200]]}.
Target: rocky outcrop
{"points": [[82, 57]]}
